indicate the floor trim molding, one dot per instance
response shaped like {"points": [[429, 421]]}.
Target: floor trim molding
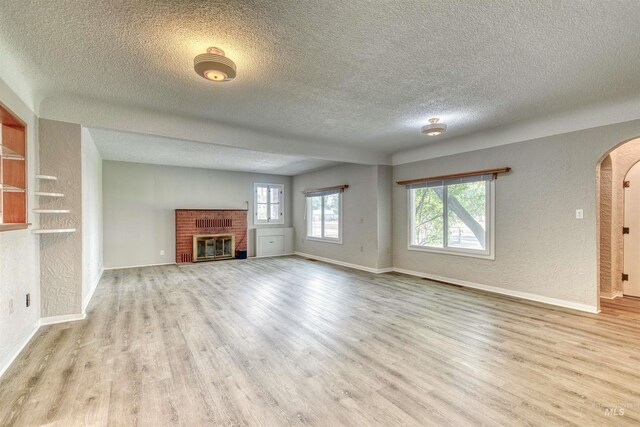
{"points": [[52, 320], [494, 289], [138, 266], [345, 264], [20, 347]]}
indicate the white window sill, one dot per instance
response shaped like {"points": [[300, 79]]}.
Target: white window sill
{"points": [[318, 239], [451, 251]]}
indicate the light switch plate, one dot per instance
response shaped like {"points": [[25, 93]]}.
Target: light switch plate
{"points": [[579, 214]]}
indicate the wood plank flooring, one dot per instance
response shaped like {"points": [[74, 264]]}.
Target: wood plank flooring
{"points": [[287, 341]]}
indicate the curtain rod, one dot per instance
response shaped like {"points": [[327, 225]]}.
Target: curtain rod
{"points": [[320, 190], [495, 172]]}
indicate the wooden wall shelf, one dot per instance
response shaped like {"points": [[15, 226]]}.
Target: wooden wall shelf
{"points": [[47, 177], [44, 194], [51, 211], [11, 227], [54, 231], [13, 171]]}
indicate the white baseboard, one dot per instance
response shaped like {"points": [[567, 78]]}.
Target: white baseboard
{"points": [[612, 296], [87, 298], [138, 266], [345, 264], [19, 349], [52, 320], [503, 291]]}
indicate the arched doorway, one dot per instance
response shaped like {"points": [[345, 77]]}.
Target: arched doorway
{"points": [[611, 174], [631, 233]]}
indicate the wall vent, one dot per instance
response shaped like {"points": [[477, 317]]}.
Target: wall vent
{"points": [[214, 223], [185, 258]]}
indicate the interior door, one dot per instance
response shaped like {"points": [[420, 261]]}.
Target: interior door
{"points": [[631, 287]]}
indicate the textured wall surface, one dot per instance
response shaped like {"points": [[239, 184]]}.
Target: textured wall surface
{"points": [[541, 248], [92, 224], [19, 261], [385, 221], [622, 159], [360, 214], [606, 208], [139, 204], [61, 254]]}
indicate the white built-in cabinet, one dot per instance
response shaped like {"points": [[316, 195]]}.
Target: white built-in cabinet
{"points": [[274, 241]]}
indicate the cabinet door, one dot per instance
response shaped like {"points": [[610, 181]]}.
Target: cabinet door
{"points": [[270, 245]]}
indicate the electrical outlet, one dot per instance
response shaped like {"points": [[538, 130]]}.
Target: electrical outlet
{"points": [[162, 252], [11, 306], [579, 214]]}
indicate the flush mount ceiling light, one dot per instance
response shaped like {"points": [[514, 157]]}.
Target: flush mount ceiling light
{"points": [[214, 66], [435, 128]]}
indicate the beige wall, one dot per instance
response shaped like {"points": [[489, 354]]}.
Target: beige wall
{"points": [[541, 248], [61, 254], [140, 200], [606, 230], [365, 212], [19, 259]]}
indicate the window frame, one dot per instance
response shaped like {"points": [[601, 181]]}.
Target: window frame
{"points": [[488, 253], [309, 217], [269, 186]]}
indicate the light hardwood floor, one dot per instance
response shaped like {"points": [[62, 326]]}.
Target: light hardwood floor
{"points": [[285, 341]]}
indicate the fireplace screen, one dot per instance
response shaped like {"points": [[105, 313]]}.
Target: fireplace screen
{"points": [[213, 246]]}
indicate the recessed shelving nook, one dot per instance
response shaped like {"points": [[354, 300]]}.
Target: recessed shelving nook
{"points": [[13, 170], [46, 194]]}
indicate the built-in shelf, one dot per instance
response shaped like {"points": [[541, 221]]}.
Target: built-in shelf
{"points": [[51, 211], [11, 227], [43, 194], [47, 177], [54, 231], [11, 189], [9, 154]]}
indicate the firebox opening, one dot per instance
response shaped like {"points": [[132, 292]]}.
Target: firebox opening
{"points": [[209, 247]]}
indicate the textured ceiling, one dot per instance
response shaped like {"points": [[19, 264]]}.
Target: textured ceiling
{"points": [[362, 73], [137, 148]]}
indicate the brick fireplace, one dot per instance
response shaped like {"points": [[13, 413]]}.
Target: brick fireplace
{"points": [[192, 222]]}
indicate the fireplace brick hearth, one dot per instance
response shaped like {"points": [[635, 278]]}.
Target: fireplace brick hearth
{"points": [[190, 222]]}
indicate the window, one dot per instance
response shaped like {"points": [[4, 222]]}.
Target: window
{"points": [[268, 203], [453, 216], [324, 216]]}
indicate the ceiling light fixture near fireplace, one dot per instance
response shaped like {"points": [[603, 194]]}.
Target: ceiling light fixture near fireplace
{"points": [[214, 66], [435, 128]]}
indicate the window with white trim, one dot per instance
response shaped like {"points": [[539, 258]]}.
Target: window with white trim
{"points": [[324, 216], [453, 216], [268, 207]]}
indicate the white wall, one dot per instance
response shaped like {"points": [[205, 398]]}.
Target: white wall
{"points": [[92, 237], [360, 213], [19, 254], [140, 202], [541, 249]]}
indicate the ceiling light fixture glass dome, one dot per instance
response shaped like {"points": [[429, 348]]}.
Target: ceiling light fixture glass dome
{"points": [[435, 128], [214, 66]]}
